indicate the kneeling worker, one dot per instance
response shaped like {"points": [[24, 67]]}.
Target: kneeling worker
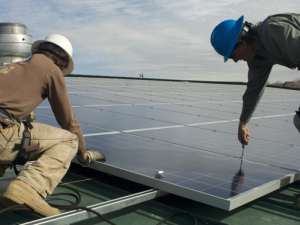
{"points": [[23, 86]]}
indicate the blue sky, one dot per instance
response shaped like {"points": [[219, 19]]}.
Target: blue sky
{"points": [[160, 38]]}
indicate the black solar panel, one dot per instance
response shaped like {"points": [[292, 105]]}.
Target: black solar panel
{"points": [[188, 131]]}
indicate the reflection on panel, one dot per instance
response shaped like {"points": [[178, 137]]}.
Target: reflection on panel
{"points": [[192, 169]]}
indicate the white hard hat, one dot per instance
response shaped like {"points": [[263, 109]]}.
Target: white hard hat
{"points": [[63, 43]]}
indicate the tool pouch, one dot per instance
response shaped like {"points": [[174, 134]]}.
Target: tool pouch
{"points": [[25, 148]]}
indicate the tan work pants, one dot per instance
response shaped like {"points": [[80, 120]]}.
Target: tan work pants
{"points": [[53, 158]]}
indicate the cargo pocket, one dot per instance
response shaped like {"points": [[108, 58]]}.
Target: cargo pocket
{"points": [[8, 138], [7, 134], [6, 156]]}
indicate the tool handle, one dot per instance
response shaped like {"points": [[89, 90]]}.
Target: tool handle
{"points": [[243, 144]]}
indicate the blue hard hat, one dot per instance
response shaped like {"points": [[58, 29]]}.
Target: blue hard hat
{"points": [[225, 35]]}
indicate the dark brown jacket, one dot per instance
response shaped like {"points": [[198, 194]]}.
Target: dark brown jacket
{"points": [[24, 85]]}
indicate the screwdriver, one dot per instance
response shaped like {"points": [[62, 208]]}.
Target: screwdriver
{"points": [[243, 147]]}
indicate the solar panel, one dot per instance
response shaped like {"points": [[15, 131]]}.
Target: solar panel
{"points": [[188, 131]]}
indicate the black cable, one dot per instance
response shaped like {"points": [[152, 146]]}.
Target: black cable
{"points": [[67, 207], [15, 208], [75, 206]]}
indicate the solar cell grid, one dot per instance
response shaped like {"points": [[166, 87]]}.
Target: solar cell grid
{"points": [[114, 121], [77, 99], [157, 114], [126, 99], [262, 132], [193, 166], [50, 120], [220, 106], [143, 126], [275, 108], [168, 99], [198, 111], [285, 124]]}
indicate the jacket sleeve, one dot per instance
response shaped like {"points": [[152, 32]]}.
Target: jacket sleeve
{"points": [[62, 109], [258, 74]]}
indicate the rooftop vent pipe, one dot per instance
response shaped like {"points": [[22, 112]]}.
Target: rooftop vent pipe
{"points": [[15, 44]]}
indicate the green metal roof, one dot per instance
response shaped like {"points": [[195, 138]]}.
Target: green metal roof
{"points": [[275, 208]]}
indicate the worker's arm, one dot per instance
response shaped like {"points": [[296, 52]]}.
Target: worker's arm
{"points": [[62, 109], [258, 74]]}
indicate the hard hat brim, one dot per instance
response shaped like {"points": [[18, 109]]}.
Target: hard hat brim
{"points": [[65, 71], [236, 31]]}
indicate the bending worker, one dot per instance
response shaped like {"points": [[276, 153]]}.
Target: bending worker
{"points": [[276, 40], [23, 86]]}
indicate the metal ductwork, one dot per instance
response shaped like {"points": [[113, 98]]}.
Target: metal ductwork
{"points": [[15, 44]]}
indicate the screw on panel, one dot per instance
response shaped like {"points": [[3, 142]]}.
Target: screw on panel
{"points": [[159, 174]]}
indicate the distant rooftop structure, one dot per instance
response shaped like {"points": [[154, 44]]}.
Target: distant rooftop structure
{"points": [[290, 84], [15, 43]]}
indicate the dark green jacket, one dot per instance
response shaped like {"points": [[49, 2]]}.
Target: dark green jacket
{"points": [[277, 42]]}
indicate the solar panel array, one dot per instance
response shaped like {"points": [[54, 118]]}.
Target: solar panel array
{"points": [[189, 131]]}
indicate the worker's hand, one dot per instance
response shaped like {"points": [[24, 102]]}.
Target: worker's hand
{"points": [[243, 133], [90, 156]]}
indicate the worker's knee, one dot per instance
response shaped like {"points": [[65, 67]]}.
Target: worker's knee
{"points": [[68, 146], [297, 122]]}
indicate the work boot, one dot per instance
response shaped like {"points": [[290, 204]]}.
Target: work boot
{"points": [[297, 201], [20, 193]]}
